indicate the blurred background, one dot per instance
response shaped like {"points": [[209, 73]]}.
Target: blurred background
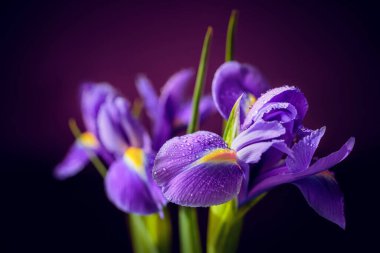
{"points": [[329, 49]]}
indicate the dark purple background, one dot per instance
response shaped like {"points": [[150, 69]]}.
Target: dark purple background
{"points": [[328, 49]]}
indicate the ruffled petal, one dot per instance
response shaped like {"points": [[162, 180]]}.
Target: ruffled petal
{"points": [[92, 97], [231, 80], [323, 194], [197, 170], [148, 94], [128, 185], [252, 153], [281, 112], [284, 175], [77, 157], [284, 94], [258, 132]]}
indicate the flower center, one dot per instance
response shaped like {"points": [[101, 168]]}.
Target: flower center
{"points": [[87, 139], [135, 158]]}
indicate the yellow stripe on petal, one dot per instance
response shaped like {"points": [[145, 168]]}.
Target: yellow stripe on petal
{"points": [[219, 156], [135, 158], [87, 139]]}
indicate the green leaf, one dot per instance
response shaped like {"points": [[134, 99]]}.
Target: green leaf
{"points": [[232, 127], [199, 83], [230, 39], [151, 233]]}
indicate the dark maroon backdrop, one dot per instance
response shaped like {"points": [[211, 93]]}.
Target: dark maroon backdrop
{"points": [[328, 49]]}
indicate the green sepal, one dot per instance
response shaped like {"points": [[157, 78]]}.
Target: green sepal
{"points": [[232, 127], [224, 228]]}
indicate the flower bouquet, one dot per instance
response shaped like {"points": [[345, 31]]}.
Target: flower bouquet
{"points": [[264, 144]]}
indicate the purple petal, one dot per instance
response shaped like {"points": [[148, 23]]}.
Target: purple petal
{"points": [[148, 94], [284, 94], [206, 108], [281, 112], [92, 97], [118, 129], [252, 153], [77, 157], [304, 151], [284, 175], [231, 80], [128, 186], [197, 170], [109, 129], [322, 193], [172, 95], [260, 131], [135, 132], [334, 158], [171, 100], [162, 131]]}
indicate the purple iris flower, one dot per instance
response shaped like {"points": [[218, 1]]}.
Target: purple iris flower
{"points": [[170, 112], [201, 170], [231, 80], [114, 134]]}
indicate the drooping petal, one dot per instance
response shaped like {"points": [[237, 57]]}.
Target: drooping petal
{"points": [[284, 175], [284, 94], [197, 170], [92, 97], [304, 151], [231, 80], [323, 194], [148, 94], [77, 157], [128, 186]]}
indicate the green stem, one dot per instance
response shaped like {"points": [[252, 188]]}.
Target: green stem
{"points": [[189, 230], [231, 36], [188, 221], [150, 233], [91, 155], [199, 83]]}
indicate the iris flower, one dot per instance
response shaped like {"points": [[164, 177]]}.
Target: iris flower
{"points": [[271, 148], [170, 112], [118, 137]]}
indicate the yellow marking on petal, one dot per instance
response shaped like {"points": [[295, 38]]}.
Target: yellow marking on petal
{"points": [[252, 99], [88, 140], [135, 158], [219, 156]]}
